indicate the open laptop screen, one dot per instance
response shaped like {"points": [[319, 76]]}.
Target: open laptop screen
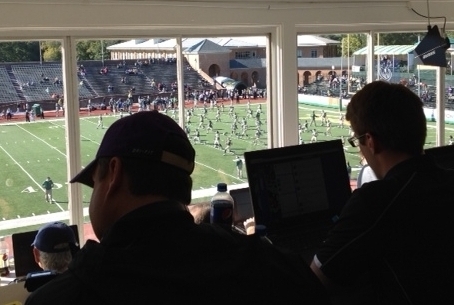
{"points": [[292, 181], [24, 261], [242, 208]]}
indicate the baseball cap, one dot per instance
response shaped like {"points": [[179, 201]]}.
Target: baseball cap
{"points": [[148, 135], [53, 234]]}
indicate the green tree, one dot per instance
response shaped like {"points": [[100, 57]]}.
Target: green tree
{"points": [[94, 49], [88, 50], [18, 51], [352, 43], [336, 37], [358, 41], [389, 39], [51, 50]]}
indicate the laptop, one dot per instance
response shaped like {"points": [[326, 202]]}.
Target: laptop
{"points": [[24, 261], [298, 192], [242, 208]]}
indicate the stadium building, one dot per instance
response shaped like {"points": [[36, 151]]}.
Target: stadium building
{"points": [[239, 58]]}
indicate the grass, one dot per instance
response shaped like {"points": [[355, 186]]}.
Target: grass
{"points": [[29, 152], [351, 153]]}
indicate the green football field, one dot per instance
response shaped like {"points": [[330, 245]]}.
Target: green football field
{"points": [[29, 152], [352, 153]]}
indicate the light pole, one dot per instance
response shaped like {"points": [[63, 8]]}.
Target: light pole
{"points": [[340, 88], [40, 54], [450, 64], [333, 73], [102, 52], [348, 63], [419, 81]]}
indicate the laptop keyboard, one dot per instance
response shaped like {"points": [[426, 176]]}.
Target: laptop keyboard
{"points": [[303, 242]]}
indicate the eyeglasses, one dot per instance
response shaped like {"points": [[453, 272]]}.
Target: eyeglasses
{"points": [[354, 141]]}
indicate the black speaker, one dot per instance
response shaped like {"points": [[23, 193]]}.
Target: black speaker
{"points": [[432, 49]]}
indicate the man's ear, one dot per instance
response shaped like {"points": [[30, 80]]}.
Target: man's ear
{"points": [[373, 144], [115, 175], [36, 256]]}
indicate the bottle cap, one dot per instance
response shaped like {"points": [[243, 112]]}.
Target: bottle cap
{"points": [[222, 187], [260, 230]]}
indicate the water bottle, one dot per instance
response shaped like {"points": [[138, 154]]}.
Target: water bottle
{"points": [[4, 259], [261, 231], [222, 207]]}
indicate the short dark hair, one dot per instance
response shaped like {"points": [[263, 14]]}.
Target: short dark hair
{"points": [[153, 177], [390, 112]]}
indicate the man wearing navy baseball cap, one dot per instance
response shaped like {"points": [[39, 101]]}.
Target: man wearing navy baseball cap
{"points": [[149, 246], [54, 245]]}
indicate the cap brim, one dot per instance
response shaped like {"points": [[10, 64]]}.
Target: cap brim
{"points": [[86, 175]]}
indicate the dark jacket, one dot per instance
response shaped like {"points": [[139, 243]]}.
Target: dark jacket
{"points": [[397, 234], [159, 255]]}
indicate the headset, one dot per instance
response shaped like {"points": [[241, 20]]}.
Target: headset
{"points": [[34, 280]]}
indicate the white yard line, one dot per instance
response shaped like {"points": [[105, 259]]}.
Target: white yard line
{"points": [[53, 147], [90, 121], [201, 164], [219, 171], [63, 127], [28, 174], [23, 169]]}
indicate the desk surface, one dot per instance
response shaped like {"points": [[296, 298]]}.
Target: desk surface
{"points": [[6, 280], [13, 294]]}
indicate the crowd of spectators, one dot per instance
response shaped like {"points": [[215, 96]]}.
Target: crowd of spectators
{"points": [[121, 83]]}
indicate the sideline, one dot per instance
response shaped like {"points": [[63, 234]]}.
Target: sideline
{"points": [[58, 216], [36, 220]]}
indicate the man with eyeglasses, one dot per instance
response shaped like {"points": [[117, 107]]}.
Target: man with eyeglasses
{"points": [[394, 240]]}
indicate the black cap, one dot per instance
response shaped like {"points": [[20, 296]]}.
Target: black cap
{"points": [[147, 135]]}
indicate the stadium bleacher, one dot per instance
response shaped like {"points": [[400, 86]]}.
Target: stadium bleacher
{"points": [[42, 82], [8, 93]]}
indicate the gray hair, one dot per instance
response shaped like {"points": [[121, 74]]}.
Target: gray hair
{"points": [[57, 262]]}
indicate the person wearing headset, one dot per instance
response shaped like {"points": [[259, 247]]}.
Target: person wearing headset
{"points": [[54, 245], [394, 240]]}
